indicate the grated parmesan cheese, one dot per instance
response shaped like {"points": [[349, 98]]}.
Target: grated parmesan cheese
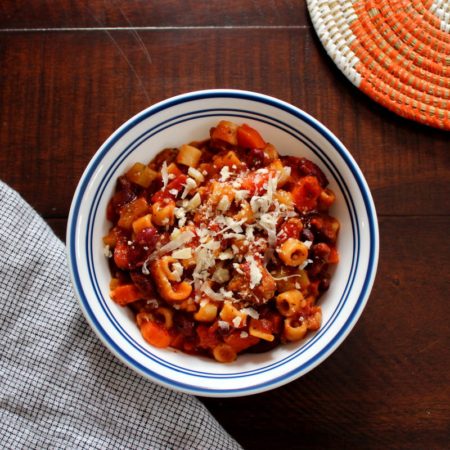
{"points": [[177, 271], [224, 203], [164, 174], [189, 186], [227, 254], [210, 293], [250, 312], [175, 233], [194, 202], [307, 244], [221, 275], [255, 273], [241, 194], [223, 325], [304, 264], [107, 251], [224, 173], [196, 175], [236, 321], [180, 240], [182, 253]]}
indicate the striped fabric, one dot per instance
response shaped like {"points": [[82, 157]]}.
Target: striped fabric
{"points": [[59, 386]]}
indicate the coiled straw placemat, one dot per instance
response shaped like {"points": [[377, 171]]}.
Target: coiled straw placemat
{"points": [[396, 51]]}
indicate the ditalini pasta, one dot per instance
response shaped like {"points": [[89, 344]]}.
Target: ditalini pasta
{"points": [[222, 246]]}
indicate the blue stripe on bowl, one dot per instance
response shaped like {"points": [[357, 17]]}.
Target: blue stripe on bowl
{"points": [[75, 210]]}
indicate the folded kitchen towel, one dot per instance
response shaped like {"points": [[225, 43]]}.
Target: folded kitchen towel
{"points": [[59, 386]]}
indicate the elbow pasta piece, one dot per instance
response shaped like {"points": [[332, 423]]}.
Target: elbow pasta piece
{"points": [[189, 156], [166, 314], [206, 312], [171, 268], [224, 353], [163, 213], [293, 252], [294, 330], [143, 317], [326, 199], [284, 198], [290, 302], [233, 316], [177, 292], [161, 315], [188, 305]]}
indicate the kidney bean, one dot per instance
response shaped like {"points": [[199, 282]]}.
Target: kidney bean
{"points": [[256, 158], [321, 251], [147, 237], [302, 167], [184, 324], [144, 284], [324, 283]]}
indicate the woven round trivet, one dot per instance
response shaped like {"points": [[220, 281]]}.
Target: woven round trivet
{"points": [[396, 51]]}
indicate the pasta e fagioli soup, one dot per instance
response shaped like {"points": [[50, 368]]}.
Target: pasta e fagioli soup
{"points": [[223, 245]]}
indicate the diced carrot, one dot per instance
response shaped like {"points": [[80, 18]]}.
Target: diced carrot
{"points": [[225, 131], [248, 137], [125, 294], [121, 255], [155, 334], [306, 192]]}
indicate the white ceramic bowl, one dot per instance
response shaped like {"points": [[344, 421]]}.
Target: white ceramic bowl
{"points": [[189, 117]]}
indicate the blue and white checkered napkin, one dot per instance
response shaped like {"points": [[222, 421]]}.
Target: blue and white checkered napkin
{"points": [[59, 386]]}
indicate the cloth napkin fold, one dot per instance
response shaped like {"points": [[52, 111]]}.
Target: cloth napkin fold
{"points": [[59, 386]]}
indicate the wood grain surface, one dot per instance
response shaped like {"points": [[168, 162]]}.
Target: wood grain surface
{"points": [[72, 72]]}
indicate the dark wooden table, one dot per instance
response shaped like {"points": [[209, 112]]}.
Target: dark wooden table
{"points": [[72, 71]]}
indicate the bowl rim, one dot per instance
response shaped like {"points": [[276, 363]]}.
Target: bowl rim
{"points": [[370, 272]]}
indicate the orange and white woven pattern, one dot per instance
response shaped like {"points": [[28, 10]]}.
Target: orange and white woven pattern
{"points": [[396, 51]]}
